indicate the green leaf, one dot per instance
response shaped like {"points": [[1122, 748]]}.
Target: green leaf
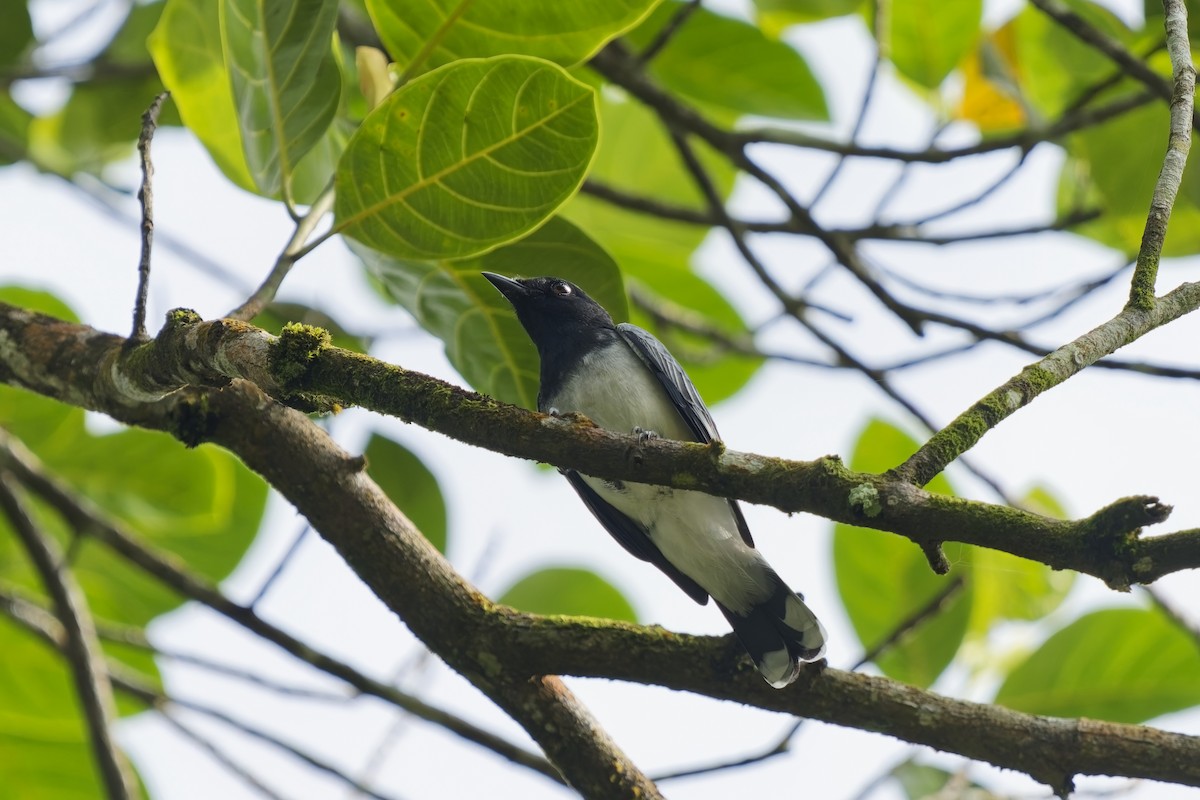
{"points": [[44, 745], [706, 62], [286, 81], [410, 485], [14, 129], [883, 579], [16, 34], [563, 31], [637, 156], [1007, 587], [568, 590], [187, 51], [929, 38], [465, 158], [1124, 665], [1054, 66], [774, 16], [484, 341]]}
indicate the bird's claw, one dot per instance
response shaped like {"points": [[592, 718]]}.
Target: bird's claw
{"points": [[644, 435]]}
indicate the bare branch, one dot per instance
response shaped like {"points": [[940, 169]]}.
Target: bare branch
{"points": [[146, 196], [80, 647]]}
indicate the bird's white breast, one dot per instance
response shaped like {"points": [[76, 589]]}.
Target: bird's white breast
{"points": [[696, 532]]}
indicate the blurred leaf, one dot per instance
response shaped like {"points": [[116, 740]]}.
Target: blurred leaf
{"points": [[1124, 665], [285, 81], [991, 98], [45, 752], [563, 31], [277, 314], [1007, 587], [925, 782], [186, 45], [14, 130], [1054, 66], [409, 484], [928, 38], [1115, 167], [16, 34], [636, 156], [568, 590], [706, 61], [128, 45], [465, 158], [776, 15], [883, 578], [99, 124], [484, 341]]}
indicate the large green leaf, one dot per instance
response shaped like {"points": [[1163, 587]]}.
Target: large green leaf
{"points": [[440, 31], [1007, 587], [470, 156], [484, 341], [1125, 665], [883, 579], [706, 61], [928, 38], [568, 590], [186, 45], [409, 484], [285, 79]]}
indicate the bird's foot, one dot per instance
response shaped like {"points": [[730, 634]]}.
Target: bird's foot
{"points": [[644, 435]]}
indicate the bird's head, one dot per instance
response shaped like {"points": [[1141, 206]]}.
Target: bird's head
{"points": [[551, 309]]}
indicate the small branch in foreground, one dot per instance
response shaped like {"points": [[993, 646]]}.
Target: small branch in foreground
{"points": [[969, 427], [80, 647], [295, 249], [146, 197], [1141, 289]]}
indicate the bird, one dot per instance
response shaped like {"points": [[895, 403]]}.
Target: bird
{"points": [[624, 380]]}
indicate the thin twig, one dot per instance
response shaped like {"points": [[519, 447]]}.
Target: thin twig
{"points": [[665, 34], [284, 560], [219, 755], [81, 649], [294, 250], [146, 197]]}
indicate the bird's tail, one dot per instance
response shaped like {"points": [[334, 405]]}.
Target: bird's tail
{"points": [[778, 634]]}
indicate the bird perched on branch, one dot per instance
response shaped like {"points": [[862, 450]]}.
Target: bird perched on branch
{"points": [[623, 379]]}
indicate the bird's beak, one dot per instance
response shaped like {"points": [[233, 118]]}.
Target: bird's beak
{"points": [[512, 290]]}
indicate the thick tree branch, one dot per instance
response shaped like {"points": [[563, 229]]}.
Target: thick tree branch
{"points": [[500, 649], [81, 366]]}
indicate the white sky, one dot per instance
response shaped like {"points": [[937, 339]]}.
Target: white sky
{"points": [[1085, 438]]}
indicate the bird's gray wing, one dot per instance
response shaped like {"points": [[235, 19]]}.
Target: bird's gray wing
{"points": [[683, 395], [630, 535], [674, 380]]}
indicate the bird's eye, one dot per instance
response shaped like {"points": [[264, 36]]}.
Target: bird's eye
{"points": [[562, 289]]}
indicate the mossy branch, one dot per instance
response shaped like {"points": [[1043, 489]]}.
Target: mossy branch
{"points": [[82, 366]]}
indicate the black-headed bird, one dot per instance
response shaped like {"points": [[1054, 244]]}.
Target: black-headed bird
{"points": [[624, 380]]}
